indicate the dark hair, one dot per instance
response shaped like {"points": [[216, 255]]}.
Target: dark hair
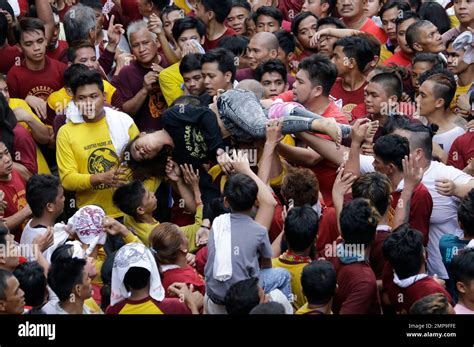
{"points": [[106, 276], [321, 71], [72, 72], [33, 282], [298, 19], [3, 29], [436, 14], [394, 121], [86, 78], [286, 41], [339, 24], [242, 297], [466, 213], [403, 248], [444, 84], [271, 307], [190, 62], [405, 15], [224, 59], [375, 187], [241, 192], [40, 191], [3, 235], [413, 32], [64, 274], [220, 8], [390, 82], [429, 58], [301, 186], [64, 251], [241, 3], [421, 136], [318, 280], [462, 266], [4, 276], [391, 149], [168, 9], [237, 44], [272, 65], [7, 123], [301, 227], [95, 4], [332, 5], [358, 222], [153, 167], [216, 208], [182, 24], [72, 50], [28, 24], [358, 48], [129, 197], [400, 5], [269, 11], [431, 304], [136, 278]]}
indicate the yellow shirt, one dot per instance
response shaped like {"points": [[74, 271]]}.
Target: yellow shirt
{"points": [[147, 307], [58, 100], [295, 270], [171, 82], [85, 149], [304, 309], [142, 230], [459, 91], [184, 4], [384, 54], [43, 167]]}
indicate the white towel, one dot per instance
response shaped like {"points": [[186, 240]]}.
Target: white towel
{"points": [[406, 282], [223, 244], [134, 255], [464, 41], [86, 223], [118, 122]]}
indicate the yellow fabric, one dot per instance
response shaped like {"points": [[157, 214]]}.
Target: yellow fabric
{"points": [[304, 309], [58, 100], [454, 21], [183, 5], [131, 238], [296, 288], [99, 261], [459, 91], [148, 307], [384, 54], [43, 167], [93, 306], [170, 83], [142, 230], [85, 149]]}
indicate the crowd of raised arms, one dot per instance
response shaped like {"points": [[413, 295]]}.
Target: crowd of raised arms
{"points": [[236, 157]]}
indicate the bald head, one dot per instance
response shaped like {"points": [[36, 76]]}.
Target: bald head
{"points": [[261, 48]]}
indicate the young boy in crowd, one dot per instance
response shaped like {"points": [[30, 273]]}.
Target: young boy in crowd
{"points": [[463, 276], [404, 55], [268, 19], [304, 27], [272, 75], [318, 281]]}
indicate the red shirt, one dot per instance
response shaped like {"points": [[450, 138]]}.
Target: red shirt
{"points": [[376, 258], [290, 8], [15, 197], [350, 99], [277, 222], [327, 231], [58, 51], [462, 151], [208, 45], [398, 59], [25, 149], [410, 294], [357, 289], [371, 28], [186, 275], [10, 55], [23, 82], [167, 306], [201, 260]]}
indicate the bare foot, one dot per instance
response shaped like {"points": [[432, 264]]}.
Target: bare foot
{"points": [[329, 127]]}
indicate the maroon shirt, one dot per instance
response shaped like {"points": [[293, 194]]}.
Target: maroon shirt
{"points": [[376, 258], [462, 151], [128, 83], [208, 45], [15, 197], [357, 292], [10, 55], [58, 52], [349, 98], [290, 8], [25, 149]]}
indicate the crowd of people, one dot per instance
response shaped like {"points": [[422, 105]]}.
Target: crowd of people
{"points": [[236, 157]]}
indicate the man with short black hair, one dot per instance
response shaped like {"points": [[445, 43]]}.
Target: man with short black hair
{"points": [[12, 298]]}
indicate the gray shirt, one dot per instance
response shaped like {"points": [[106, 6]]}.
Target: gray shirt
{"points": [[249, 242]]}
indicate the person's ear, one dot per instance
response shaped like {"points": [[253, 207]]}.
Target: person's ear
{"points": [[461, 287], [274, 53], [324, 9], [50, 207], [317, 91], [439, 103], [92, 36], [228, 76], [417, 47], [226, 203], [140, 210]]}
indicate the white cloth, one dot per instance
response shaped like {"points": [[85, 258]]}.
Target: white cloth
{"points": [[464, 41], [168, 267], [134, 255], [118, 122], [222, 269], [277, 295], [15, 6], [87, 225], [446, 139], [406, 282], [60, 236]]}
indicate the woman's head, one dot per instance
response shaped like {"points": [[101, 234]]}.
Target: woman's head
{"points": [[168, 242]]}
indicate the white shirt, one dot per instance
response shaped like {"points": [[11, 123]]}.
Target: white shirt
{"points": [[446, 139], [15, 6]]}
